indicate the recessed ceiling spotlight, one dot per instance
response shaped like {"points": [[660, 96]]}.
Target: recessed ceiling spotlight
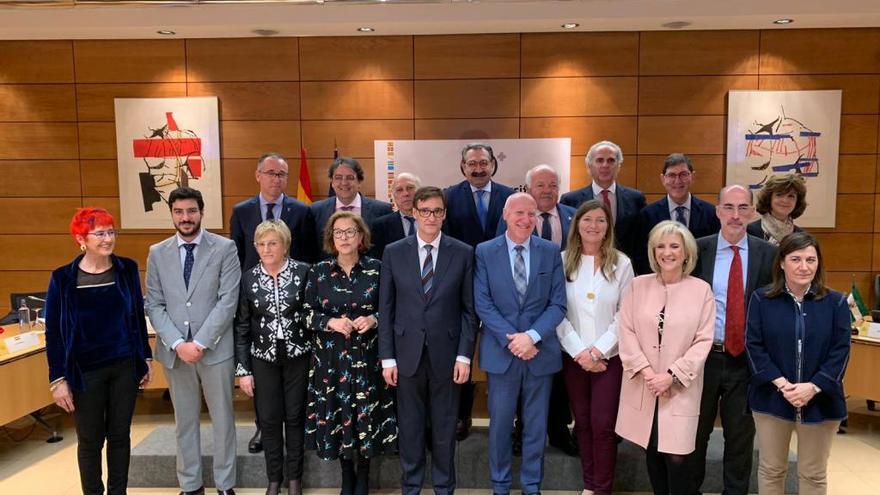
{"points": [[319, 1], [676, 24], [570, 25], [165, 32], [366, 29], [265, 32], [783, 21]]}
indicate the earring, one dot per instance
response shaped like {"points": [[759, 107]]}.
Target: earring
{"points": [[82, 247]]}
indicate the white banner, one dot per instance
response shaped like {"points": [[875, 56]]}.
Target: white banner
{"points": [[437, 162]]}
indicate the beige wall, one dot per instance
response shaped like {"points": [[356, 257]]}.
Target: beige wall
{"points": [[653, 93]]}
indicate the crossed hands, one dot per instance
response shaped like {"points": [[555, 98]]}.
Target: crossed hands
{"points": [[596, 364], [346, 327], [189, 352], [522, 346], [658, 383], [797, 394]]}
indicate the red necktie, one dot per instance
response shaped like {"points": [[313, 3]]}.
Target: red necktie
{"points": [[735, 314], [605, 199]]}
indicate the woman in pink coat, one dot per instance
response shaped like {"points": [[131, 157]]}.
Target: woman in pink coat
{"points": [[666, 326]]}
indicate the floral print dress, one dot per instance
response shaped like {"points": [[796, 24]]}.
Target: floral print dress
{"points": [[350, 408]]}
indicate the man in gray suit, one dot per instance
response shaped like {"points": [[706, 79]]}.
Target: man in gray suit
{"points": [[192, 293]]}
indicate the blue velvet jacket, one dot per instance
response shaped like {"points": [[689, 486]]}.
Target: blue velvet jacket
{"points": [[62, 314], [808, 344]]}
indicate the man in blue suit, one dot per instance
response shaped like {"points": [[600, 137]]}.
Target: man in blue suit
{"points": [[427, 329], [475, 206], [519, 294], [678, 204], [604, 161]]}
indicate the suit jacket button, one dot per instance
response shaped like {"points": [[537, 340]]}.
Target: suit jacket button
{"points": [[188, 304], [186, 323]]}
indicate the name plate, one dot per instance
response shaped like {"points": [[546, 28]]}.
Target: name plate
{"points": [[22, 342], [874, 330]]}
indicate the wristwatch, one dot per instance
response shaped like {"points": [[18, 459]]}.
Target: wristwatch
{"points": [[675, 379]]}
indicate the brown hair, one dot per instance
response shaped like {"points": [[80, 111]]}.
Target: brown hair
{"points": [[781, 184], [330, 247], [791, 243], [574, 244]]}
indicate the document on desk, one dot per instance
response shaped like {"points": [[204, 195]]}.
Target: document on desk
{"points": [[22, 342]]}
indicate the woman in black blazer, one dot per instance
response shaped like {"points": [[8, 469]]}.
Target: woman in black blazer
{"points": [[780, 202], [272, 350]]}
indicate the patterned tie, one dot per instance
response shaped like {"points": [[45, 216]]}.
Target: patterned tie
{"points": [[412, 225], [269, 214], [428, 271], [188, 262], [606, 200], [679, 215], [546, 232], [735, 313], [481, 208], [346, 208], [519, 275]]}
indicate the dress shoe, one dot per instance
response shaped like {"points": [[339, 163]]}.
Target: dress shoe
{"points": [[463, 429], [255, 444], [198, 491], [226, 492], [566, 444], [295, 488], [274, 488]]}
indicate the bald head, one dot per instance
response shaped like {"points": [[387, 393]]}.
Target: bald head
{"points": [[520, 213]]}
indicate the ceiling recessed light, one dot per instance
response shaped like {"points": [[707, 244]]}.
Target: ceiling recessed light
{"points": [[265, 32], [366, 29], [319, 1], [783, 21], [165, 32], [570, 25]]}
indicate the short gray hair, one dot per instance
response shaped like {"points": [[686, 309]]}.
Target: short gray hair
{"points": [[408, 176], [276, 226], [539, 168], [517, 195], [604, 144]]}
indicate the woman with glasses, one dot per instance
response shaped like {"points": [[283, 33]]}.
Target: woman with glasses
{"points": [[350, 412], [97, 348], [780, 202], [272, 351]]}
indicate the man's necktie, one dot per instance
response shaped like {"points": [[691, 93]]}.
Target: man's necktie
{"points": [[735, 313], [412, 225], [606, 200], [346, 208], [269, 214], [679, 215], [428, 271], [546, 232], [519, 275], [188, 262], [481, 208]]}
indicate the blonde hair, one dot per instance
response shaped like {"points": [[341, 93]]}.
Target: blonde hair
{"points": [[667, 227], [276, 226], [574, 244]]}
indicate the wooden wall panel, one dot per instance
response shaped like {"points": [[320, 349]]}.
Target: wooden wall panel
{"points": [[855, 213], [580, 54], [842, 282], [36, 62], [583, 131], [856, 174], [845, 252], [22, 281], [823, 51], [471, 98], [53, 250], [128, 61], [100, 178], [239, 177], [875, 263], [37, 102], [700, 135], [252, 139], [252, 100], [242, 59], [581, 96], [356, 58], [475, 129], [698, 53], [690, 95], [861, 94], [38, 140], [31, 178], [43, 215], [707, 180], [467, 56], [351, 137], [357, 100], [94, 102], [97, 140], [858, 134]]}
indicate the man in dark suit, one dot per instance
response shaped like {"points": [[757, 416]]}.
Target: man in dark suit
{"points": [[604, 161], [678, 204], [553, 224], [734, 264], [427, 329], [401, 223], [519, 294], [475, 207], [346, 176]]}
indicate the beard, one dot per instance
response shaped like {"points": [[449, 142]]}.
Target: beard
{"points": [[188, 228]]}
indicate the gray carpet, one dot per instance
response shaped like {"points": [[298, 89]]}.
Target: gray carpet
{"points": [[153, 465]]}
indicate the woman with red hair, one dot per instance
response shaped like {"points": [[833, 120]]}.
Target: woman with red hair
{"points": [[97, 348]]}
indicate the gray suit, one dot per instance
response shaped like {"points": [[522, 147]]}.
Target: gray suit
{"points": [[206, 309]]}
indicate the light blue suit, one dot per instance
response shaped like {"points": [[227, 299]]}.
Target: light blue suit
{"points": [[542, 310]]}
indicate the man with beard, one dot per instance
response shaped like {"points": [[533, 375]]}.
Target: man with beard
{"points": [[192, 293]]}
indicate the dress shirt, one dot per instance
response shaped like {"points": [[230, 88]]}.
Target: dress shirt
{"points": [[612, 196], [276, 210], [555, 225], [405, 222], [486, 198], [511, 251], [180, 243], [723, 258], [592, 322], [687, 209], [356, 204]]}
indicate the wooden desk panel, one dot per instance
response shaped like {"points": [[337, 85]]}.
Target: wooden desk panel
{"points": [[862, 377]]}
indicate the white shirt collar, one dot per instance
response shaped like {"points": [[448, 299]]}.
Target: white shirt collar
{"points": [[356, 204], [597, 189], [673, 204], [723, 244], [435, 243], [487, 188]]}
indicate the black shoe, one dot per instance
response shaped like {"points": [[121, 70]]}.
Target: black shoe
{"points": [[255, 444], [274, 488], [198, 491], [226, 492], [566, 444], [463, 429], [516, 445]]}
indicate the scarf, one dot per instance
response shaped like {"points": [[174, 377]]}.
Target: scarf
{"points": [[774, 229]]}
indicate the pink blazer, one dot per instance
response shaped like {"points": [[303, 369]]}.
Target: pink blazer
{"points": [[687, 340]]}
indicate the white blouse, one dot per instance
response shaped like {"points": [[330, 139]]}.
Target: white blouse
{"points": [[593, 303]]}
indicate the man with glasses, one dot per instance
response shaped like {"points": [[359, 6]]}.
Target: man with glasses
{"points": [[427, 329], [475, 207], [346, 176], [734, 264], [678, 204], [401, 223]]}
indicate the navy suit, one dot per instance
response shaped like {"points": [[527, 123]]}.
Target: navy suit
{"points": [[702, 222], [566, 213], [247, 215], [462, 221], [629, 203], [371, 210], [425, 335], [385, 230], [542, 310]]}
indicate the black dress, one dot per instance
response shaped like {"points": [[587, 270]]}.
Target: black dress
{"points": [[350, 408]]}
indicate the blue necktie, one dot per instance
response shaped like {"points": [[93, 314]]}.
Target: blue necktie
{"points": [[188, 262], [519, 275], [546, 232], [412, 225], [428, 272], [481, 207], [679, 215], [270, 215]]}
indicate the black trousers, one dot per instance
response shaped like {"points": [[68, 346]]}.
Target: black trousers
{"points": [[280, 399], [725, 387], [667, 472], [103, 412]]}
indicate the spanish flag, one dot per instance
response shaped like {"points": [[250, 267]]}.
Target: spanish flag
{"points": [[304, 188]]}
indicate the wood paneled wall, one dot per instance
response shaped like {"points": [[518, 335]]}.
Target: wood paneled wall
{"points": [[653, 93]]}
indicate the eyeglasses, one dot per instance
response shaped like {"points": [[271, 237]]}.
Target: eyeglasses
{"points": [[680, 176], [345, 234], [275, 175], [427, 212], [742, 209], [475, 163], [267, 244], [347, 178], [104, 234]]}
